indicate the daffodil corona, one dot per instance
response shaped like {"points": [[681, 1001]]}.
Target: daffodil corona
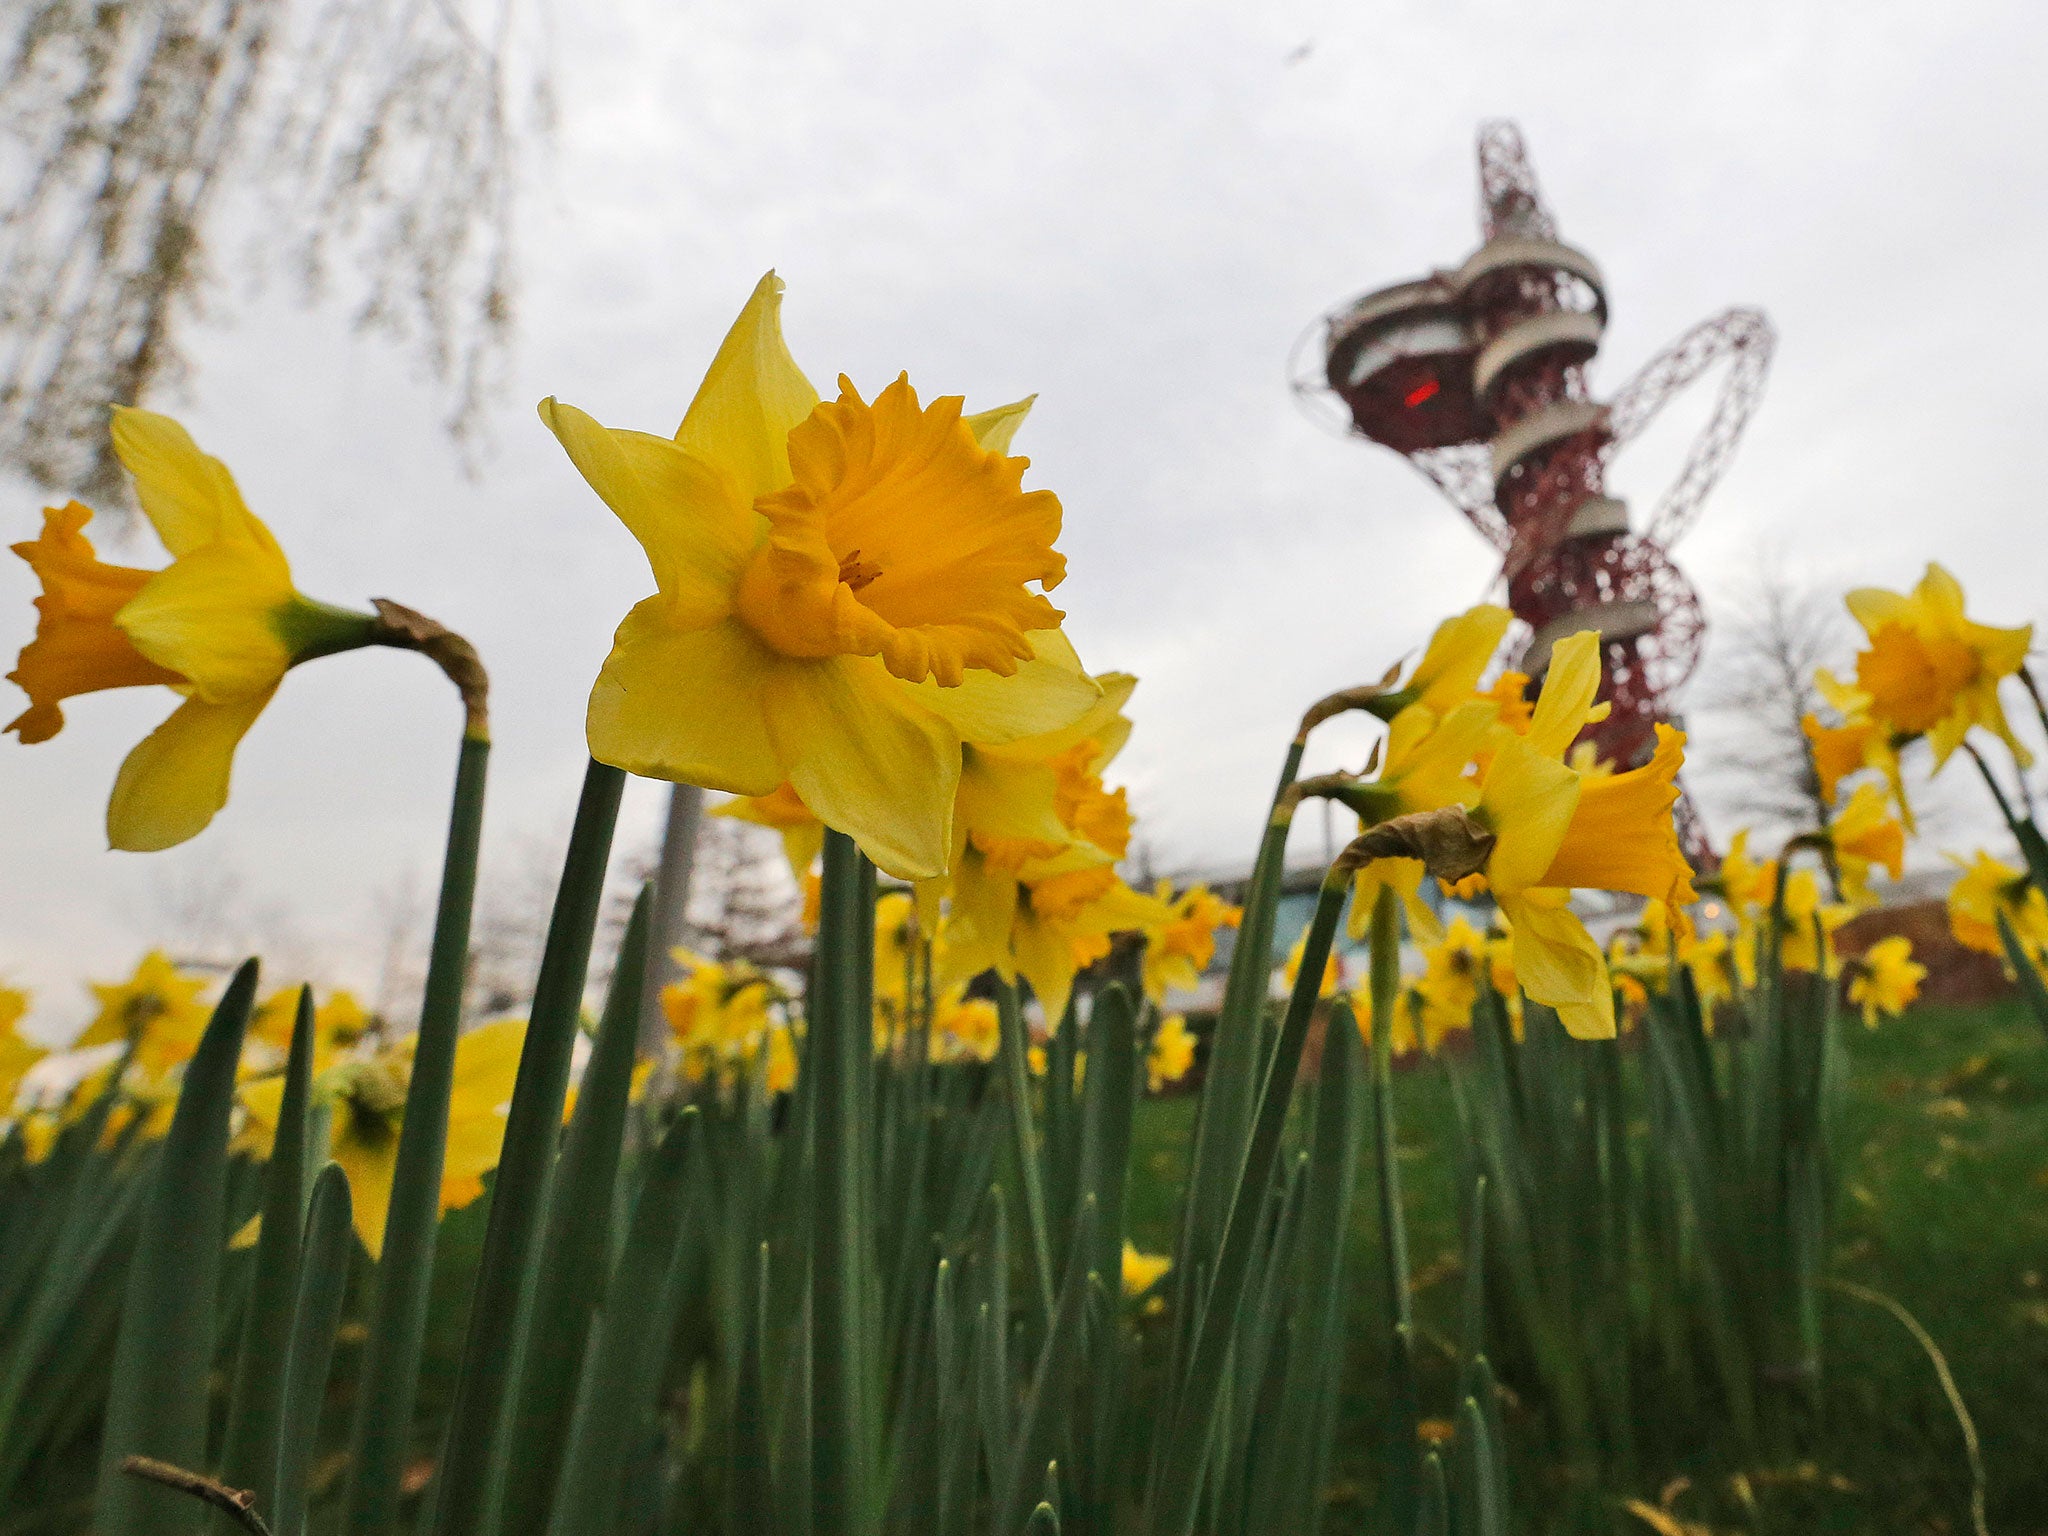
{"points": [[845, 595]]}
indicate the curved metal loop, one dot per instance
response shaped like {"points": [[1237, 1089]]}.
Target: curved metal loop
{"points": [[1745, 338]]}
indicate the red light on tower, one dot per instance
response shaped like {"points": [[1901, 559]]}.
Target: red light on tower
{"points": [[1477, 375]]}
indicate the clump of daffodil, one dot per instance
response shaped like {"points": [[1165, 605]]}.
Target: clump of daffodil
{"points": [[1542, 829], [1034, 890], [1929, 669], [1171, 1055], [1885, 979], [845, 595], [1988, 888], [365, 1098], [339, 1023], [1180, 948], [721, 1015], [220, 626]]}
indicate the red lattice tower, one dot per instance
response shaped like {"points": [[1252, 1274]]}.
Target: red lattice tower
{"points": [[1477, 375]]}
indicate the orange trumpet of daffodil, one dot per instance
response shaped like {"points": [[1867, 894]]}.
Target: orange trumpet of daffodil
{"points": [[845, 595], [221, 624]]}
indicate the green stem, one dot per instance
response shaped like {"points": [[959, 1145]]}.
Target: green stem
{"points": [[472, 1467], [389, 1380], [1017, 1090], [1386, 988], [839, 1050], [1991, 783]]}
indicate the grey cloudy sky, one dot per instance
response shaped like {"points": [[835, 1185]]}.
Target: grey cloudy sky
{"points": [[1134, 211]]}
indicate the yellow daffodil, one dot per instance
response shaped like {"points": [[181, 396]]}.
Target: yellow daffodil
{"points": [[1808, 943], [1886, 979], [1930, 669], [1448, 672], [157, 1010], [844, 595], [16, 1054], [1407, 1007], [220, 625], [366, 1109], [1142, 1271], [339, 1021], [1710, 959], [718, 1015], [1451, 976], [803, 835], [1988, 887], [1866, 834], [1860, 741], [1291, 971], [1046, 925], [898, 948], [1181, 947], [1171, 1054], [1426, 766], [1556, 830], [964, 1028]]}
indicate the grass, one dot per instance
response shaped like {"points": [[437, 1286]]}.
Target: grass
{"points": [[1945, 1210]]}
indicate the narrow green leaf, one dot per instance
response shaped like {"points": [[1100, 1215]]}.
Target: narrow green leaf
{"points": [[157, 1406], [1179, 1467], [576, 1253], [2032, 988], [1433, 1515], [627, 1350], [1109, 1100], [249, 1458], [1045, 1421], [316, 1312], [388, 1383], [472, 1463]]}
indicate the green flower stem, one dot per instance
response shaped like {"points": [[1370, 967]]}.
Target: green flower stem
{"points": [[389, 1379], [472, 1467], [840, 1052], [1017, 1091]]}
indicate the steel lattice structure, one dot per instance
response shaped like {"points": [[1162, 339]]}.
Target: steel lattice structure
{"points": [[1477, 375]]}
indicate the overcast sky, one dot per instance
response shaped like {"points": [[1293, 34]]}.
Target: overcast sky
{"points": [[1134, 211]]}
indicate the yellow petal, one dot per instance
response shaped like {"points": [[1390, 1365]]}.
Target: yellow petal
{"points": [[1621, 836], [212, 617], [868, 759], [1558, 963], [1048, 693], [1873, 608], [1457, 653], [752, 397], [176, 779], [370, 1165], [1528, 803], [994, 429], [188, 495], [1569, 687], [683, 704], [696, 526]]}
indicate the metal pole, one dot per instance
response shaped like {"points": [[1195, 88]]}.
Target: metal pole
{"points": [[671, 905]]}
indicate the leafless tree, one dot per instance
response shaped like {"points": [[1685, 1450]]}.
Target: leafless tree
{"points": [[1771, 639], [370, 135]]}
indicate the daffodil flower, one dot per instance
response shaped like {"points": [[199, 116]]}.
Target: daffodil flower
{"points": [[366, 1097], [844, 595], [1180, 948], [156, 1011], [16, 1054], [1555, 830], [1808, 940], [1885, 979], [964, 1028], [220, 625], [1452, 970], [1988, 888], [1142, 1271], [1930, 669], [1171, 1053], [718, 1014], [1866, 835], [1448, 673]]}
